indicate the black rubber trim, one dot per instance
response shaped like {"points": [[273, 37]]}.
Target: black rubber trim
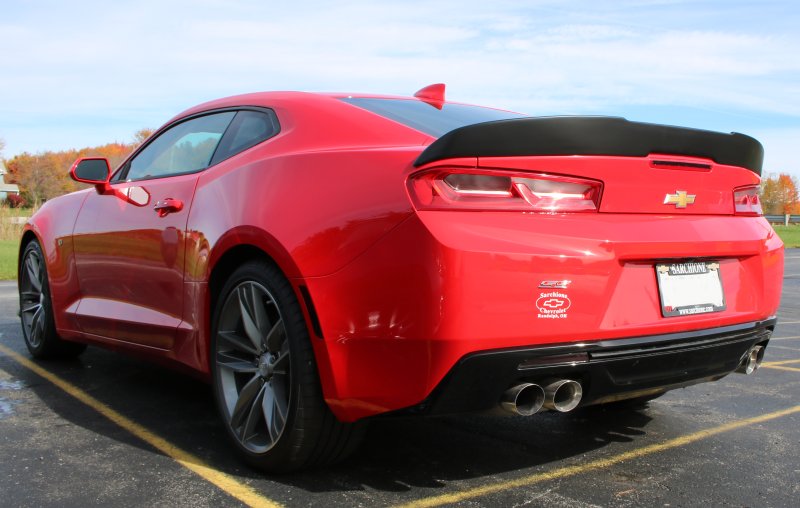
{"points": [[679, 164], [312, 312], [608, 370], [592, 135]]}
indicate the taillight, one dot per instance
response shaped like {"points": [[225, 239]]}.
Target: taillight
{"points": [[746, 201], [474, 189]]}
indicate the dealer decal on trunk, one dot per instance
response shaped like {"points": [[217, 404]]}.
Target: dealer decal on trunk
{"points": [[553, 305]]}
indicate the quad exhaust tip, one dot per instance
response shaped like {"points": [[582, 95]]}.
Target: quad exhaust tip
{"points": [[562, 394], [752, 360], [524, 399]]}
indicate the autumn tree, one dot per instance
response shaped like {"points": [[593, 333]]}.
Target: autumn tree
{"points": [[45, 175], [41, 176], [779, 195], [141, 136]]}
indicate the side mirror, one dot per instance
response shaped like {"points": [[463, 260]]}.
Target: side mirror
{"points": [[93, 170]]}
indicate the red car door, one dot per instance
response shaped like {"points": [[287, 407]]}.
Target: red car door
{"points": [[129, 243]]}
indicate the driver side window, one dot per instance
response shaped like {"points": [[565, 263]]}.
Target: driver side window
{"points": [[184, 148]]}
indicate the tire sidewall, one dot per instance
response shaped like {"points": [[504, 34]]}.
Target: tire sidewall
{"points": [[49, 328]]}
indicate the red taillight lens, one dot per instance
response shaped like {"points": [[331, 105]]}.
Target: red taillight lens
{"points": [[746, 201], [472, 189]]}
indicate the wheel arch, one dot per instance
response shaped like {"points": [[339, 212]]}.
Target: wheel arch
{"points": [[243, 244], [27, 237], [227, 263], [252, 243]]}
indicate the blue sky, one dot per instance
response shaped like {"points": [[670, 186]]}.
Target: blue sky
{"points": [[75, 74]]}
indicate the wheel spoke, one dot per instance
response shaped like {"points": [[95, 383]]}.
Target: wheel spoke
{"points": [[268, 408], [248, 321], [239, 343], [275, 336], [30, 307], [260, 310], [36, 326], [254, 416], [281, 365], [245, 401], [231, 362], [34, 275]]}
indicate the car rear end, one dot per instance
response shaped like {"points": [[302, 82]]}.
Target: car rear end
{"points": [[569, 261]]}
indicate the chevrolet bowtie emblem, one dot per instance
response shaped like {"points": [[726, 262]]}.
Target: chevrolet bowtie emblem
{"points": [[680, 199]]}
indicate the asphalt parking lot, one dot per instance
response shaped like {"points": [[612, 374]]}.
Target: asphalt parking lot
{"points": [[110, 430]]}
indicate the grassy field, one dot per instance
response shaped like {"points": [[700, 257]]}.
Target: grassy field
{"points": [[8, 259], [10, 232], [789, 234]]}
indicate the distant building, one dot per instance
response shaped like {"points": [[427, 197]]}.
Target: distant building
{"points": [[6, 189]]}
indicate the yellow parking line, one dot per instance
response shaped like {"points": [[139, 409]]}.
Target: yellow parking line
{"points": [[597, 464], [235, 488], [783, 362], [773, 346], [780, 367]]}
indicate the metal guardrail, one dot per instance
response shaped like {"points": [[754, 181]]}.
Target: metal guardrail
{"points": [[780, 219]]}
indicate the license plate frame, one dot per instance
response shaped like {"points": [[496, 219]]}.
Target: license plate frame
{"points": [[687, 288]]}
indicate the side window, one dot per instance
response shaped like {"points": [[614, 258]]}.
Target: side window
{"points": [[184, 148], [248, 129]]}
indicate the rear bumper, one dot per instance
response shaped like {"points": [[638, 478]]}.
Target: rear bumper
{"points": [[443, 286], [608, 370]]}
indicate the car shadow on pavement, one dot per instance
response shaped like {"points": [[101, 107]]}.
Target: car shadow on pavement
{"points": [[400, 454], [397, 455]]}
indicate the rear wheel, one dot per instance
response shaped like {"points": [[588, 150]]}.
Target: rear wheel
{"points": [[265, 379], [36, 309]]}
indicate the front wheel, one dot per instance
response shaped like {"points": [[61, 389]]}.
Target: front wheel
{"points": [[36, 309], [265, 379]]}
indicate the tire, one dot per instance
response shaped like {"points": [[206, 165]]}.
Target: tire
{"points": [[36, 309], [265, 379]]}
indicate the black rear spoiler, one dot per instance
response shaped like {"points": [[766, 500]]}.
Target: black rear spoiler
{"points": [[592, 135]]}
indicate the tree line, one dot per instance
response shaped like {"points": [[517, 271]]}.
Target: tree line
{"points": [[779, 195], [45, 175]]}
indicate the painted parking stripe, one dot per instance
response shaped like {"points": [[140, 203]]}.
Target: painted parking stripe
{"points": [[594, 465], [783, 362], [773, 346], [227, 483], [788, 322], [781, 367], [792, 337]]}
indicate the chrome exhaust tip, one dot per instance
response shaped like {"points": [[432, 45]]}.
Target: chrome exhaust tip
{"points": [[752, 361], [562, 395], [524, 399]]}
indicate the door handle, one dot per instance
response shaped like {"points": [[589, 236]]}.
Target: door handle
{"points": [[167, 206]]}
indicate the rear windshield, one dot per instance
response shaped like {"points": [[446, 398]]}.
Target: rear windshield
{"points": [[429, 119]]}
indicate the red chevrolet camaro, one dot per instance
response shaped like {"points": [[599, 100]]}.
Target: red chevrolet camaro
{"points": [[325, 258]]}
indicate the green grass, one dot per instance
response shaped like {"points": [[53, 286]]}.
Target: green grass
{"points": [[8, 259], [789, 234]]}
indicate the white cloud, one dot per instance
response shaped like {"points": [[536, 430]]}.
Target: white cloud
{"points": [[109, 69]]}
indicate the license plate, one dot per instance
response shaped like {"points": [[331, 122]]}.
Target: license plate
{"points": [[688, 288]]}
